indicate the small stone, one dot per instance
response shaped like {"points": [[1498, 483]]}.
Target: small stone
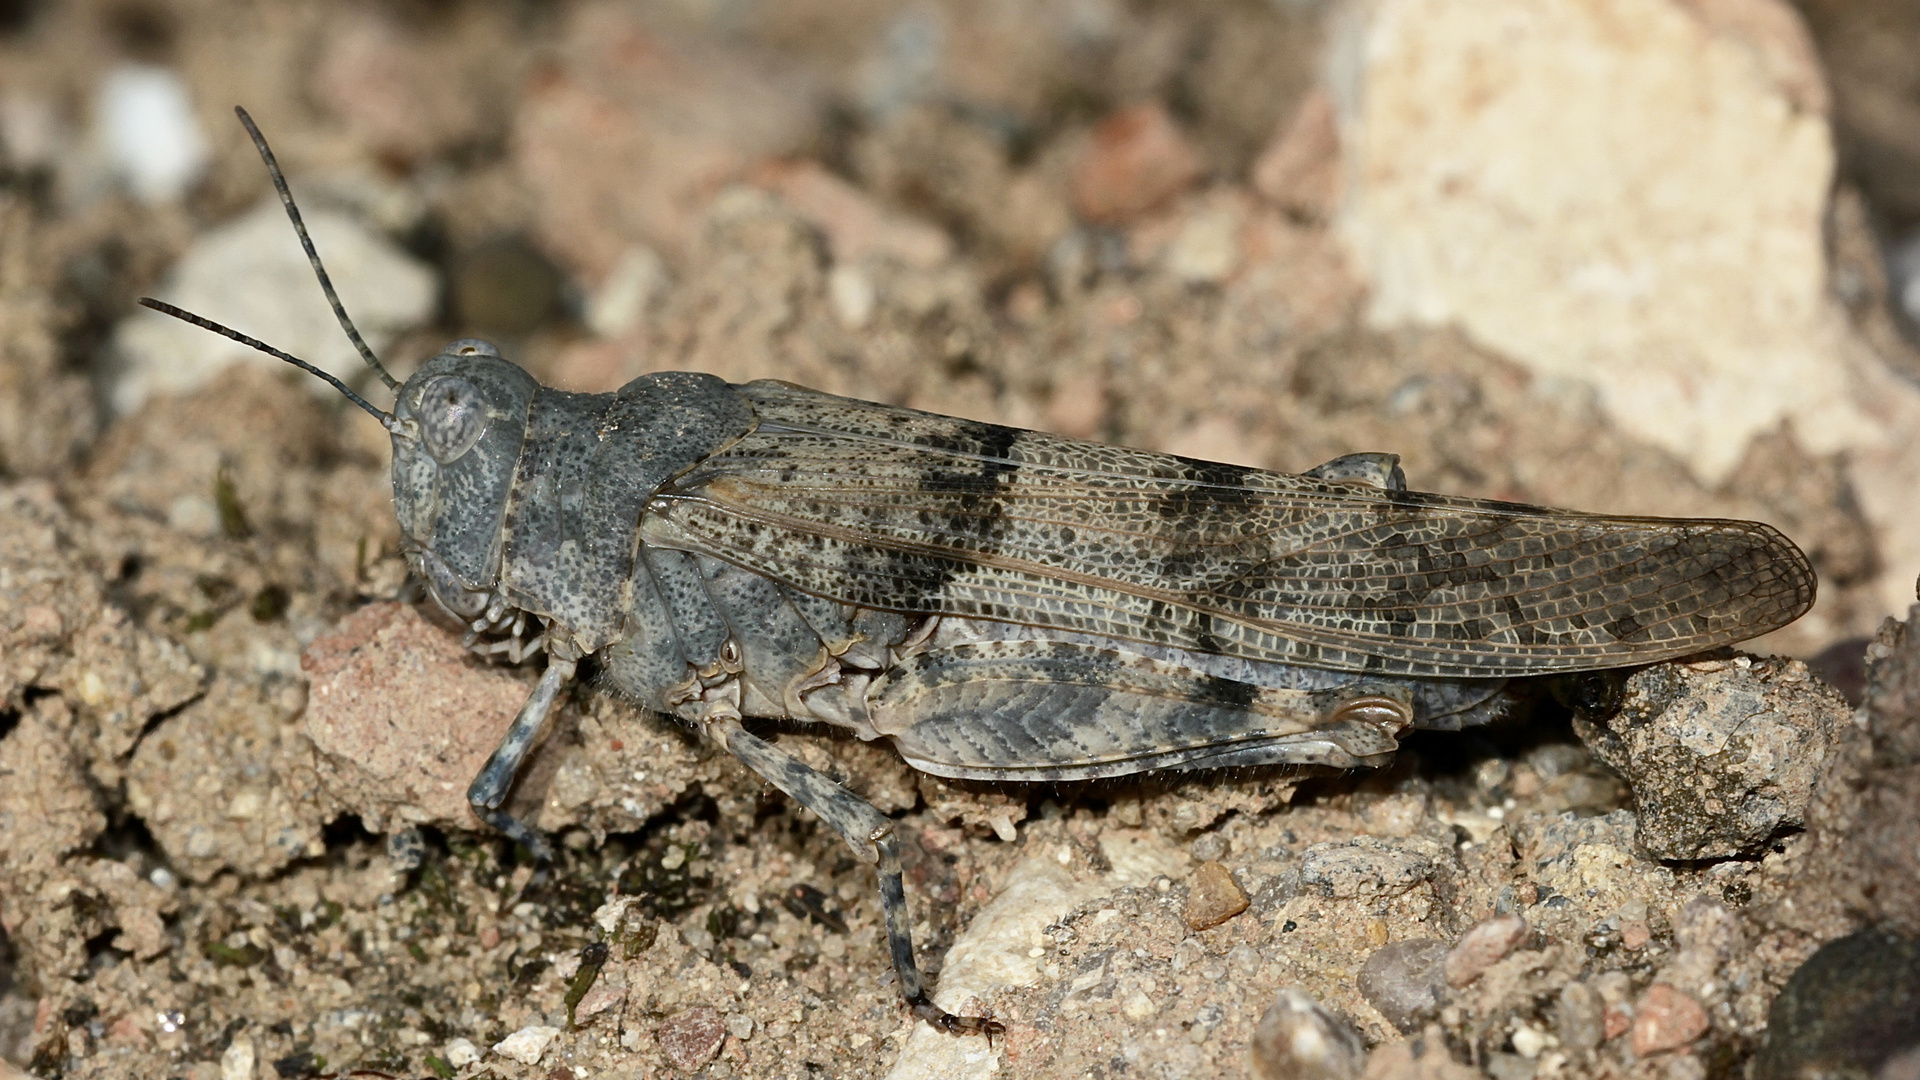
{"points": [[1635, 935], [526, 1045], [1579, 1017], [1849, 1010], [691, 1038], [856, 226], [1666, 1019], [150, 132], [236, 1062], [740, 1026], [1719, 760], [461, 1053], [1364, 868], [1299, 1039], [1403, 981], [1207, 249], [1215, 897], [1138, 161], [1484, 946], [1299, 171]]}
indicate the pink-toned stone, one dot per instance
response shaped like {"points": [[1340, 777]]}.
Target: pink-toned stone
{"points": [[1485, 945], [403, 717], [691, 1038], [404, 92], [1299, 171], [1666, 1019], [1137, 162], [855, 225]]}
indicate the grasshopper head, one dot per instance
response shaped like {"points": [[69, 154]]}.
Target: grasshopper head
{"points": [[458, 424]]}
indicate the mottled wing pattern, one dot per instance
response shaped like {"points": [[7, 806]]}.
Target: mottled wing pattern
{"points": [[895, 509]]}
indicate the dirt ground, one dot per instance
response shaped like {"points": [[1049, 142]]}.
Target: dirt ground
{"points": [[233, 840]]}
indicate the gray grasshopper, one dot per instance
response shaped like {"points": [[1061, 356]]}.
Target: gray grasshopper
{"points": [[1001, 604]]}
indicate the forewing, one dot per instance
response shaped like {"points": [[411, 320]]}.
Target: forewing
{"points": [[894, 509]]}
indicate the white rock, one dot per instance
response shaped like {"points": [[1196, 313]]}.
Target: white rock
{"points": [[251, 275], [852, 295], [996, 949], [526, 1045], [637, 280], [236, 1061], [1207, 248], [146, 125], [461, 1053], [1629, 193]]}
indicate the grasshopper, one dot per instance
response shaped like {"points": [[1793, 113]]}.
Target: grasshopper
{"points": [[1000, 604]]}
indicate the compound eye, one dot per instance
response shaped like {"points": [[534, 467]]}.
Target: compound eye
{"points": [[452, 416]]}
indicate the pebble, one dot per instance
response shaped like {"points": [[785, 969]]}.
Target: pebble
{"points": [[857, 226], [1138, 160], [461, 1053], [1719, 761], [236, 1062], [1666, 1019], [691, 1038], [1849, 1010], [1484, 946], [151, 135], [526, 1045], [1365, 867], [1403, 981], [1215, 897], [1579, 1017], [1299, 1039]]}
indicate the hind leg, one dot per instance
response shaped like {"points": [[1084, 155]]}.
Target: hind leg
{"points": [[870, 834]]}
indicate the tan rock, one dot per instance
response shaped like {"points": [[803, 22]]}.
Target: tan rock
{"points": [[1215, 897], [382, 752], [1666, 1019], [1628, 194], [1484, 946], [856, 226], [631, 134], [1299, 171], [1138, 160]]}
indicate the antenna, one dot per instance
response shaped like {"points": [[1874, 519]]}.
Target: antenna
{"points": [[386, 419], [313, 258]]}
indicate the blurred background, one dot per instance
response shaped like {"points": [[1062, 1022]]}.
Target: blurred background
{"points": [[1655, 256]]}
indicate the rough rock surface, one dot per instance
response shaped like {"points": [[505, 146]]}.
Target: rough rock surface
{"points": [[1730, 768]]}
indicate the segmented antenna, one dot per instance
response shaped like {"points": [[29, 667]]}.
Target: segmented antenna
{"points": [[164, 308], [313, 257]]}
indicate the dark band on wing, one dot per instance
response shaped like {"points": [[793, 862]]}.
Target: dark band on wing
{"points": [[969, 492]]}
